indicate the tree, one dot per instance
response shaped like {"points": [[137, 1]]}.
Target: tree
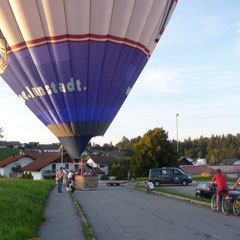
{"points": [[154, 150], [1, 131]]}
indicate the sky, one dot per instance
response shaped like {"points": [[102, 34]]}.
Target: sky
{"points": [[194, 71]]}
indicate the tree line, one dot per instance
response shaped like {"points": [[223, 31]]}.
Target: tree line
{"points": [[154, 150]]}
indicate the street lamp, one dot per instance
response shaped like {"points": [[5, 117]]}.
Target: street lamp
{"points": [[177, 128]]}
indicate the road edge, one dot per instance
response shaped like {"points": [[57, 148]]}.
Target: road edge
{"points": [[199, 203], [80, 213]]}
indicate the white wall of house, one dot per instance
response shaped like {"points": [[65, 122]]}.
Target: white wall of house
{"points": [[237, 162], [201, 161], [1, 171], [36, 175], [20, 162], [103, 167]]}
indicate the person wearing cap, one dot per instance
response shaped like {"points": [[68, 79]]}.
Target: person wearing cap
{"points": [[59, 178]]}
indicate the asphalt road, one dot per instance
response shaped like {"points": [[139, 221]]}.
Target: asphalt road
{"points": [[121, 213]]}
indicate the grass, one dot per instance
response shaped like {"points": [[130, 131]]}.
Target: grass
{"points": [[21, 207], [86, 227], [5, 153], [176, 194], [209, 179]]}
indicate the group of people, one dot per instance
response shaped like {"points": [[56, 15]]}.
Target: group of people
{"points": [[63, 177], [221, 184]]}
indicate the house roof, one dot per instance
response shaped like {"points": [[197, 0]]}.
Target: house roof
{"points": [[113, 154], [14, 158], [98, 171], [197, 170], [45, 159], [100, 159]]}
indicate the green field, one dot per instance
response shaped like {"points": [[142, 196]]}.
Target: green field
{"points": [[5, 153], [21, 207]]}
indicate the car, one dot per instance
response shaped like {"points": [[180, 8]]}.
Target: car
{"points": [[169, 175], [203, 190]]}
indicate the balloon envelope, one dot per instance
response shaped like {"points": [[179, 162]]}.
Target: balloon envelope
{"points": [[73, 63]]}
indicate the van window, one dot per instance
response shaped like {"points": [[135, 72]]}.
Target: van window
{"points": [[155, 173], [166, 172], [177, 172]]}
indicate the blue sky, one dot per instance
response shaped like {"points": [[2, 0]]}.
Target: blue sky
{"points": [[194, 71]]}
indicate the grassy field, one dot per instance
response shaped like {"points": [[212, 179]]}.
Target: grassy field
{"points": [[21, 207], [4, 153]]}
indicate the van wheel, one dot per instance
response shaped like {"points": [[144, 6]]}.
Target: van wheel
{"points": [[184, 183], [156, 183]]}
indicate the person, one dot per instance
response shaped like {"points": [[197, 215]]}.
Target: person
{"points": [[237, 182], [70, 179], [59, 178], [221, 184], [149, 186]]}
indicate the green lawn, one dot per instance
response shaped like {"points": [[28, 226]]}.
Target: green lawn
{"points": [[5, 153], [21, 207]]}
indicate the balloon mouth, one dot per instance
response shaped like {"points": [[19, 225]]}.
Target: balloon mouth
{"points": [[3, 54], [75, 145]]}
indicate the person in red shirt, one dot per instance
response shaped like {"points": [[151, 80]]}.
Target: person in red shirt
{"points": [[221, 184], [237, 182]]}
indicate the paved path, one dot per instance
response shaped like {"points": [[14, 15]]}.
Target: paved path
{"points": [[121, 213], [62, 219]]}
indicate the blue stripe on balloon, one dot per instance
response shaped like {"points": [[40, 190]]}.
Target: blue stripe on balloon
{"points": [[106, 69]]}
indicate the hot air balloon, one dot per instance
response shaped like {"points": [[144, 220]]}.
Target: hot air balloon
{"points": [[74, 62]]}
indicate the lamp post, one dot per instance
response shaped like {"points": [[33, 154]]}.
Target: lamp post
{"points": [[177, 128]]}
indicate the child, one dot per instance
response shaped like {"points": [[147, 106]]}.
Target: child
{"points": [[149, 186]]}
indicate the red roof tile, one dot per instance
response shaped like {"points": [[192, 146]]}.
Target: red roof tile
{"points": [[45, 159]]}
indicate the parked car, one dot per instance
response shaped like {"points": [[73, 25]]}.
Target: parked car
{"points": [[169, 175], [203, 190]]}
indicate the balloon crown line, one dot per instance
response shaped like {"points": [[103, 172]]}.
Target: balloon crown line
{"points": [[52, 88]]}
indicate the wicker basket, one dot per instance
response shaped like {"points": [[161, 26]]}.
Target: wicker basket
{"points": [[85, 181]]}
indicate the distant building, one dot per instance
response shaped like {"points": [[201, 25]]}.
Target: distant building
{"points": [[230, 162], [201, 161], [10, 144], [185, 161]]}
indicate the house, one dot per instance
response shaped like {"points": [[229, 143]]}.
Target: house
{"points": [[10, 166], [10, 144], [47, 164], [230, 162], [185, 161], [200, 161], [102, 162]]}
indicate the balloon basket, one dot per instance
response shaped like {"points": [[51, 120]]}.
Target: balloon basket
{"points": [[81, 182]]}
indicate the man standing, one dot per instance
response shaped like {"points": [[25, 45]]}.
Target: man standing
{"points": [[59, 178], [221, 184]]}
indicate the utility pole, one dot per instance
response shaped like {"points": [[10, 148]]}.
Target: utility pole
{"points": [[177, 129]]}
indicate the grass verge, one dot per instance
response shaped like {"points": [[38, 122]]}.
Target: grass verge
{"points": [[209, 179], [175, 193], [86, 227], [21, 207]]}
